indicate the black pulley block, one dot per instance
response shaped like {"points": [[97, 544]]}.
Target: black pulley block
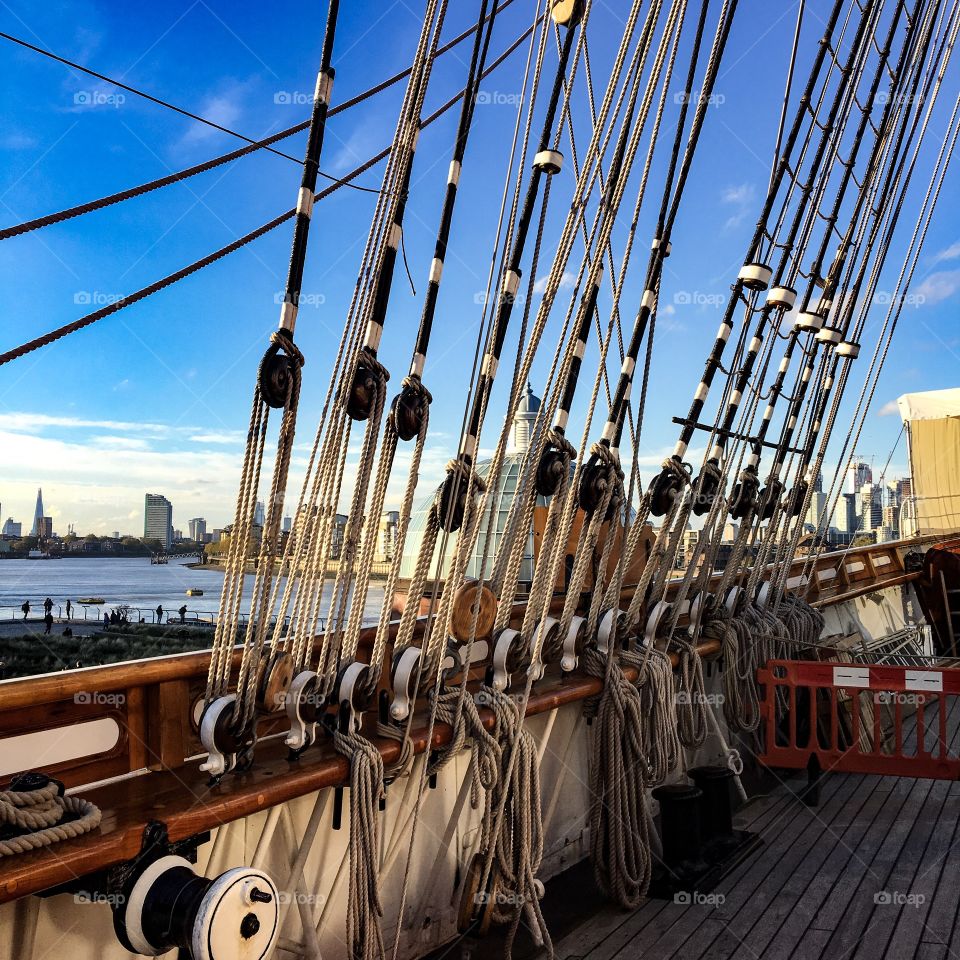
{"points": [[793, 503], [743, 498], [275, 376], [593, 485], [663, 491], [409, 410], [451, 502], [769, 496], [705, 490], [367, 383], [550, 471]]}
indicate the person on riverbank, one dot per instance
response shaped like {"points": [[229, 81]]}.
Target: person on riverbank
{"points": [[159, 613], [47, 622], [183, 613], [106, 621], [47, 607], [25, 607], [69, 610]]}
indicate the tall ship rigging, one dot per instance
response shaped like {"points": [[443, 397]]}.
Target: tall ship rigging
{"points": [[545, 697]]}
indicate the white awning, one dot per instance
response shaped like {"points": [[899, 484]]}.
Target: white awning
{"points": [[930, 405]]}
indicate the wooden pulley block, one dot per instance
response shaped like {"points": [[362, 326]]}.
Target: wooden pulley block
{"points": [[567, 13], [473, 601], [273, 681], [475, 913]]}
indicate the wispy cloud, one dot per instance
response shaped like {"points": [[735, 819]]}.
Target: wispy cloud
{"points": [[948, 253], [225, 107], [938, 287], [741, 197], [567, 280], [889, 409]]}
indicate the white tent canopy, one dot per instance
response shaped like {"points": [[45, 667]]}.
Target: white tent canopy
{"points": [[930, 405]]}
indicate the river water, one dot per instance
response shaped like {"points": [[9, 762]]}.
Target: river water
{"points": [[131, 581]]}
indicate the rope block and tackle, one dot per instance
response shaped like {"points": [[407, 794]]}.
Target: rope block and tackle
{"points": [[743, 497], [707, 488], [410, 407], [665, 487]]}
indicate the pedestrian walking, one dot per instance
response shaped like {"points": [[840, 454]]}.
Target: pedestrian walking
{"points": [[183, 613], [25, 607], [47, 607], [69, 610], [159, 613], [47, 622]]}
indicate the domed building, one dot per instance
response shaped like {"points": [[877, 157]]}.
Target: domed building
{"points": [[496, 515]]}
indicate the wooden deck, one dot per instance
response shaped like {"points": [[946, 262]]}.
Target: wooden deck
{"points": [[873, 871]]}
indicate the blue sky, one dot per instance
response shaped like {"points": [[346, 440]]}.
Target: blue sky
{"points": [[157, 397]]}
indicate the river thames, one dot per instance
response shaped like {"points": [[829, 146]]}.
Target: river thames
{"points": [[129, 581]]}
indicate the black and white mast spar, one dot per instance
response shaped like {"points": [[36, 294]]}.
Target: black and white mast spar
{"points": [[837, 339], [452, 501], [812, 321], [410, 405], [744, 496], [781, 296], [275, 370], [668, 483], [590, 491]]}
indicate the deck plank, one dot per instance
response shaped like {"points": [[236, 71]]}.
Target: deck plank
{"points": [[809, 892], [776, 895], [900, 881], [707, 918], [758, 881], [793, 914]]}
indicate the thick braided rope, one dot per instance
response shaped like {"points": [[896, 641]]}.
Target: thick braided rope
{"points": [[41, 811], [364, 909], [619, 835], [465, 720], [513, 828]]}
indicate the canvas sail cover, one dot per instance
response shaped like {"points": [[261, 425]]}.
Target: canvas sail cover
{"points": [[933, 434]]}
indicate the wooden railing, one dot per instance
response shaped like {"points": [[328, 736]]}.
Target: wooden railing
{"points": [[154, 705]]}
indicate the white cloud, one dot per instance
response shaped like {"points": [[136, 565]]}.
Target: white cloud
{"points": [[15, 140], [30, 422], [949, 253], [223, 107], [740, 196], [567, 280], [938, 287], [889, 409]]}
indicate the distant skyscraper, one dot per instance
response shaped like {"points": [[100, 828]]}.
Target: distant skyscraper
{"points": [[12, 528], [387, 535], [818, 484], [198, 529], [38, 515], [858, 473], [259, 514], [287, 524], [158, 519]]}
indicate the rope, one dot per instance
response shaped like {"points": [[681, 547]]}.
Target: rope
{"points": [[40, 813], [138, 191], [192, 268], [364, 909]]}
